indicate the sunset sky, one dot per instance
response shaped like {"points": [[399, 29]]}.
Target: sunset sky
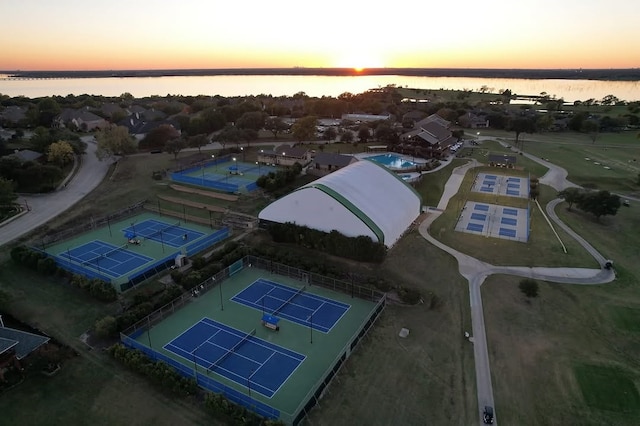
{"points": [[161, 34]]}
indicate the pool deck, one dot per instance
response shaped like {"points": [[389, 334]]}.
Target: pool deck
{"points": [[416, 160]]}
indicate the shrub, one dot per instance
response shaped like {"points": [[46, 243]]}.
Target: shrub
{"points": [[529, 287], [106, 327]]}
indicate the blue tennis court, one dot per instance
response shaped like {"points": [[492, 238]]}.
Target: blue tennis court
{"points": [[510, 212], [492, 177], [251, 362], [513, 185], [171, 234], [481, 207], [486, 189], [292, 304], [508, 221], [106, 258], [513, 192], [505, 232], [475, 227], [478, 216]]}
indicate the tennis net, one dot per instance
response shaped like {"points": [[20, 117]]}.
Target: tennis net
{"points": [[106, 254], [160, 231], [289, 300], [232, 350]]}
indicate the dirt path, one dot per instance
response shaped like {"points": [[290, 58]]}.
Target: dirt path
{"points": [[203, 206], [211, 194]]}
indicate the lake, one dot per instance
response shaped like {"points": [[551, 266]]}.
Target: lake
{"points": [[312, 85]]}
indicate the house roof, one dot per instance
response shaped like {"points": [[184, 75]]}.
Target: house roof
{"points": [[25, 155], [6, 344], [333, 159], [431, 119], [25, 342], [69, 114], [14, 113]]}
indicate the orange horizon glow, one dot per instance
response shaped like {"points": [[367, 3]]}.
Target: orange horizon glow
{"points": [[68, 35]]}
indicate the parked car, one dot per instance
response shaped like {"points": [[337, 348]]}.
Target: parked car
{"points": [[487, 415]]}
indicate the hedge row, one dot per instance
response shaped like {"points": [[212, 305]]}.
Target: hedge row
{"points": [[361, 248], [39, 262], [168, 378]]}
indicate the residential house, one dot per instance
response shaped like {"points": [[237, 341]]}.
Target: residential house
{"points": [[81, 119], [139, 125], [327, 162], [473, 121], [432, 135], [285, 155], [13, 115], [24, 155], [15, 345]]}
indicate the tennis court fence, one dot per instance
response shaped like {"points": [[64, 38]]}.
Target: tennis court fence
{"points": [[91, 224], [135, 331]]}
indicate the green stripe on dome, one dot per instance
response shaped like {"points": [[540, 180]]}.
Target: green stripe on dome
{"points": [[351, 207]]}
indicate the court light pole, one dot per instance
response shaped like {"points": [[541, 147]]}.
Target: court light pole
{"points": [[311, 328], [213, 158], [242, 151]]}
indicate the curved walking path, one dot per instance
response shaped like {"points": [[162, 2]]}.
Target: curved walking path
{"points": [[476, 271], [44, 207]]}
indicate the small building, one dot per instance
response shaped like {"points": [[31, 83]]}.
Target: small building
{"points": [[327, 162], [82, 119], [285, 155]]}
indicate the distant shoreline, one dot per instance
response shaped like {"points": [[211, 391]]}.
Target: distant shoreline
{"points": [[629, 74]]}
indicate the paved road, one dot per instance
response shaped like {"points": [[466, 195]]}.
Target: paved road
{"points": [[45, 207], [476, 271]]}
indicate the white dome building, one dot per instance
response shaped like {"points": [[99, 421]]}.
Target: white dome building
{"points": [[364, 198]]}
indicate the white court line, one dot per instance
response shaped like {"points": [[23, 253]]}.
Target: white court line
{"points": [[310, 295]]}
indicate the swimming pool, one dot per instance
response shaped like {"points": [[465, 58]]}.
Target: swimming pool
{"points": [[392, 161]]}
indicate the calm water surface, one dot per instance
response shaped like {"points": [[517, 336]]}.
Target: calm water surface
{"points": [[316, 86]]}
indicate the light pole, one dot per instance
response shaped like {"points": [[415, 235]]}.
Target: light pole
{"points": [[213, 158], [242, 150], [203, 175], [258, 164]]}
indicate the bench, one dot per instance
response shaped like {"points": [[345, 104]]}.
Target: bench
{"points": [[271, 326]]}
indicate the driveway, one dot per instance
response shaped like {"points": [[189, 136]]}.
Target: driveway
{"points": [[476, 271], [44, 207]]}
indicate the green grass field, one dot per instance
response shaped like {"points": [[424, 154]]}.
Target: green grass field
{"points": [[607, 388], [567, 325], [586, 161]]}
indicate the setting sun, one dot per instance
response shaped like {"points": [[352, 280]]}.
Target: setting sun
{"points": [[359, 61]]}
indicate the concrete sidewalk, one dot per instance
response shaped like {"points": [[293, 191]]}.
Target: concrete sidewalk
{"points": [[44, 207]]}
